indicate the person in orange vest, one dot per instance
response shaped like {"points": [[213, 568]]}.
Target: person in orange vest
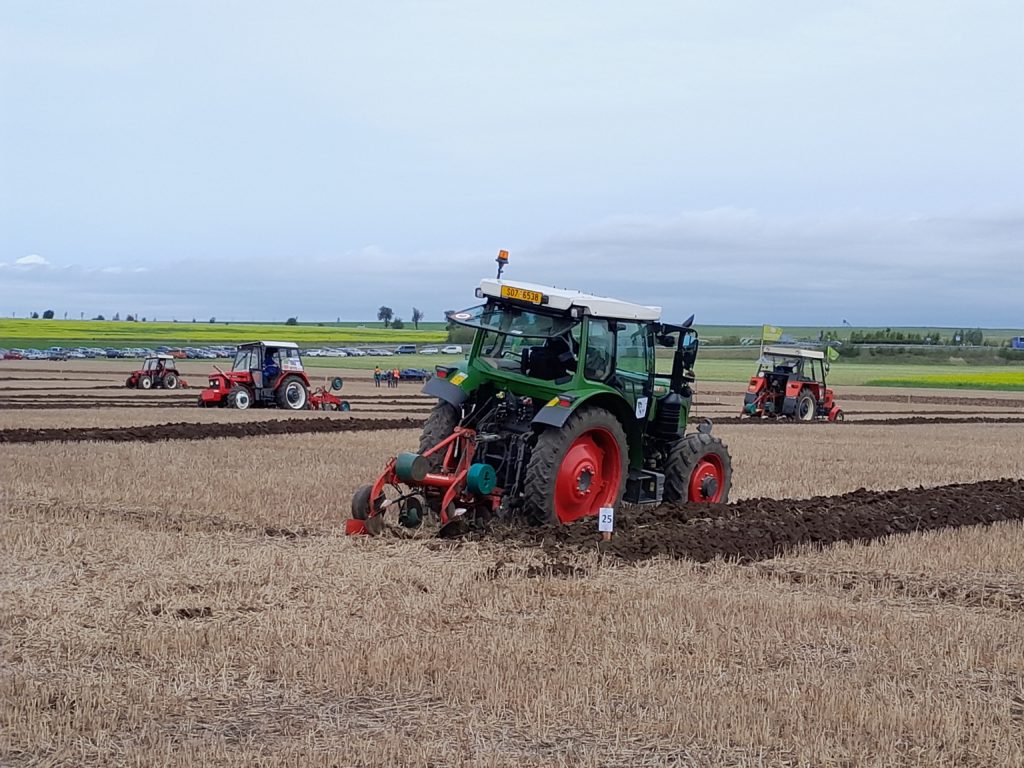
{"points": [[377, 373], [396, 376]]}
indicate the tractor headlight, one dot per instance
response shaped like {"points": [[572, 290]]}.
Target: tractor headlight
{"points": [[214, 384]]}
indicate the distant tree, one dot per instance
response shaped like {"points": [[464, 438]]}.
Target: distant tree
{"points": [[417, 315], [385, 314], [99, 317], [65, 315], [35, 315], [292, 321], [48, 314], [143, 319], [193, 319], [212, 320], [129, 318], [116, 317], [397, 323]]}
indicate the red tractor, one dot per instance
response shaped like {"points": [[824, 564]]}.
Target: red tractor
{"points": [[156, 371], [790, 383], [264, 374]]}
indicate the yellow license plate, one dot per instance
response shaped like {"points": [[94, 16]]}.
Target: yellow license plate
{"points": [[519, 294]]}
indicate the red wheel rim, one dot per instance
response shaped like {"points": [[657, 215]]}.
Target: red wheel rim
{"points": [[589, 477], [707, 480]]}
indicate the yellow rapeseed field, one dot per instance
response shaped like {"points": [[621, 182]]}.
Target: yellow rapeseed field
{"points": [[77, 332], [1005, 380]]}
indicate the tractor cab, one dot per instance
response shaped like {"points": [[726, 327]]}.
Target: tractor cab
{"points": [[263, 373], [558, 411], [157, 364]]}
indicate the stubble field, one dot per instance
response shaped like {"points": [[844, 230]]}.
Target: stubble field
{"points": [[193, 601]]}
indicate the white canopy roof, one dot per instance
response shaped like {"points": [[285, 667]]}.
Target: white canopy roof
{"points": [[807, 354], [284, 344], [564, 299]]}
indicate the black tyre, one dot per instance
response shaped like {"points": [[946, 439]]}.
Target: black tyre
{"points": [[439, 424], [239, 398], [699, 469], [170, 381], [576, 470], [361, 502], [129, 383], [145, 382], [292, 394], [806, 407]]}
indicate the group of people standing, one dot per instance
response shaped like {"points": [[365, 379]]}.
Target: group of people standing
{"points": [[392, 377]]}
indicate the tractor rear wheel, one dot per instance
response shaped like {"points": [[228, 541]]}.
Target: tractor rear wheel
{"points": [[441, 422], [292, 394], [239, 398], [170, 381], [699, 469], [145, 382], [806, 407], [576, 470]]}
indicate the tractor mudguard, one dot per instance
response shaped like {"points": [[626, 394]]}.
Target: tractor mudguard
{"points": [[445, 390], [557, 410], [789, 406]]}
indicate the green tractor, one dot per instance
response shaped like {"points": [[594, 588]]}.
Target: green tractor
{"points": [[557, 412]]}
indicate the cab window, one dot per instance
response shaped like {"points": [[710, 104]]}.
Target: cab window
{"points": [[632, 351]]}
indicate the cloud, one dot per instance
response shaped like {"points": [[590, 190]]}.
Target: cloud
{"points": [[32, 260], [726, 265]]}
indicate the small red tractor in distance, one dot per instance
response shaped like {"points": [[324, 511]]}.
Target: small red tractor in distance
{"points": [[558, 412], [790, 383], [263, 374], [324, 399], [156, 371]]}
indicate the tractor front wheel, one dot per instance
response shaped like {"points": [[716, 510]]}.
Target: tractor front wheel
{"points": [[239, 398], [576, 470], [292, 394], [699, 469], [129, 382], [145, 383], [170, 381]]}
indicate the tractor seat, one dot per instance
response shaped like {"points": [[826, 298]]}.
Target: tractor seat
{"points": [[543, 363]]}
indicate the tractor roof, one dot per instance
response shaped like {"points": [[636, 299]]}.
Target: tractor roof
{"points": [[565, 299], [284, 344], [159, 357], [781, 351]]}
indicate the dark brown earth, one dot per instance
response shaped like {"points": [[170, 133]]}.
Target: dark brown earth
{"points": [[758, 529], [194, 431]]}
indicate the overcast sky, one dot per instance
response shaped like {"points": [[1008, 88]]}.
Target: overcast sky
{"points": [[791, 162]]}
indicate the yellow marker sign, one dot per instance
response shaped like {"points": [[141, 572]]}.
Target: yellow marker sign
{"points": [[458, 378], [770, 333]]}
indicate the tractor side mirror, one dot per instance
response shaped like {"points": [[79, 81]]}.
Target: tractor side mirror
{"points": [[690, 343], [666, 340]]}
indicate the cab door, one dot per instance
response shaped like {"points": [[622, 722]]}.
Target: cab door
{"points": [[634, 364]]}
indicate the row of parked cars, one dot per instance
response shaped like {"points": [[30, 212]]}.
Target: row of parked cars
{"points": [[212, 353], [402, 349], [85, 353]]}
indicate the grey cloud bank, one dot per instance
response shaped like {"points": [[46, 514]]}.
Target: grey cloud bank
{"points": [[725, 265]]}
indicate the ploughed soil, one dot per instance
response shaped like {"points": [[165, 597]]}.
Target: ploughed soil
{"points": [[895, 421], [758, 529], [194, 431]]}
